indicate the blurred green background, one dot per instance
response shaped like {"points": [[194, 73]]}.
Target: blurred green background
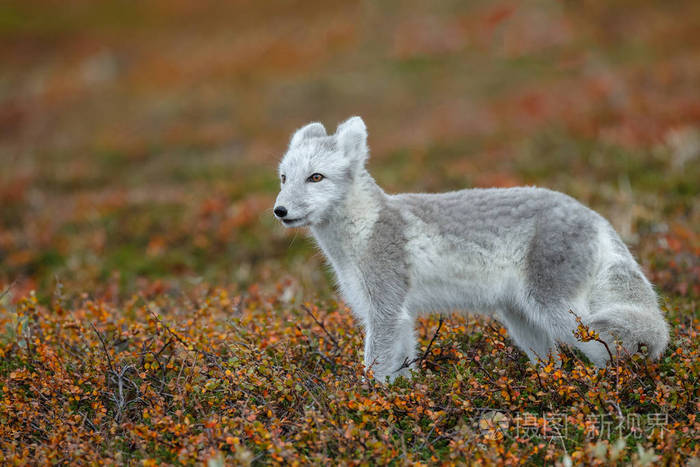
{"points": [[139, 140]]}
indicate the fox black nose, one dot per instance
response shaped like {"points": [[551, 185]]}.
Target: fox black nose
{"points": [[280, 211]]}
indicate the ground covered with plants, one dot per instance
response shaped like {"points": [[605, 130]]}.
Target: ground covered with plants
{"points": [[153, 312]]}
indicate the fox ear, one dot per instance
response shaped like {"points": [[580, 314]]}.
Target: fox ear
{"points": [[311, 130], [352, 138]]}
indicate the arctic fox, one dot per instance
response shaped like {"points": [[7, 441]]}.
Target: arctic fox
{"points": [[525, 255]]}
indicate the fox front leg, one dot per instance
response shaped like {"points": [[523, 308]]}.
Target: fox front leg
{"points": [[390, 347]]}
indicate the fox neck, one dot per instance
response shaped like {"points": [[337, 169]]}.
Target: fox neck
{"points": [[347, 229]]}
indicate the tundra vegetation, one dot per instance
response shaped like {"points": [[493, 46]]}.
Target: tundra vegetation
{"points": [[153, 311]]}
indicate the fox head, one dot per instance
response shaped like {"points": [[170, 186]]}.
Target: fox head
{"points": [[318, 170]]}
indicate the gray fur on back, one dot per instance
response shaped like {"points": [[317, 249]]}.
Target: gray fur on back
{"points": [[559, 254]]}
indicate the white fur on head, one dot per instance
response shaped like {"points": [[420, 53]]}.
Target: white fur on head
{"points": [[352, 139], [311, 130]]}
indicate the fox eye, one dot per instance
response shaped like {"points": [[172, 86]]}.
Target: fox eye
{"points": [[284, 178], [315, 178]]}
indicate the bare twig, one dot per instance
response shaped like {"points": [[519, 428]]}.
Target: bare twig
{"points": [[486, 373], [121, 403], [104, 347], [617, 408], [211, 358], [579, 321], [88, 421], [145, 343], [430, 344], [330, 336], [606, 348], [170, 331], [407, 364], [317, 350]]}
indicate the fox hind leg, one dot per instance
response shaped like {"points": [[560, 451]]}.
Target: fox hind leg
{"points": [[535, 341], [623, 304]]}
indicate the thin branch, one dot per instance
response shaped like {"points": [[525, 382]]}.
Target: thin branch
{"points": [[317, 350], [104, 347], [212, 358], [407, 364], [165, 346], [330, 336], [606, 348], [172, 333], [590, 337], [430, 344]]}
